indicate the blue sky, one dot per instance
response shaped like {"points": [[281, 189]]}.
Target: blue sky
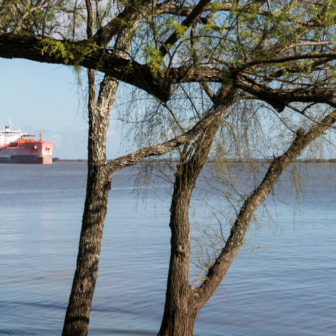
{"points": [[43, 98]]}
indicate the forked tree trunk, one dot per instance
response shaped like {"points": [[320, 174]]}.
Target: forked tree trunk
{"points": [[181, 308], [182, 301]]}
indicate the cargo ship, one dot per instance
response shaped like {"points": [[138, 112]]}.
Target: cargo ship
{"points": [[17, 147]]}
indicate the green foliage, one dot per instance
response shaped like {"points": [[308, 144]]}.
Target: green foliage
{"points": [[154, 59], [69, 52], [176, 27], [59, 49]]}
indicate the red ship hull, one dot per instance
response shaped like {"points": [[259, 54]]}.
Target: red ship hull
{"points": [[27, 151]]}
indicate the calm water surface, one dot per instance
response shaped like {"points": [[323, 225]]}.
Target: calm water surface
{"points": [[290, 289]]}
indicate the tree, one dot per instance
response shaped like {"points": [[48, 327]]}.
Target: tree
{"points": [[281, 54], [183, 301]]}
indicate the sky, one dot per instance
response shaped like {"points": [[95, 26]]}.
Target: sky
{"points": [[44, 98]]}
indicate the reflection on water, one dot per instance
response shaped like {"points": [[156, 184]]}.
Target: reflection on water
{"points": [[289, 290]]}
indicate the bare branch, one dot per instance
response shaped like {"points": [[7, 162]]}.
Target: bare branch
{"points": [[236, 239], [165, 147], [18, 27], [278, 98]]}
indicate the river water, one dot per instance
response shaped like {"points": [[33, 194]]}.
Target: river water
{"points": [[289, 288]]}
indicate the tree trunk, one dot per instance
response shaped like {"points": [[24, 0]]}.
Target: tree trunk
{"points": [[179, 313], [181, 304], [178, 323], [78, 312], [76, 321]]}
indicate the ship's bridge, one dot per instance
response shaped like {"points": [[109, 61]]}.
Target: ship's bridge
{"points": [[7, 135]]}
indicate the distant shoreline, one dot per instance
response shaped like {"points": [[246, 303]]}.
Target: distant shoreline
{"points": [[65, 160], [228, 160]]}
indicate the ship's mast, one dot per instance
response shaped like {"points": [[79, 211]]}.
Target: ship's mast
{"points": [[8, 127]]}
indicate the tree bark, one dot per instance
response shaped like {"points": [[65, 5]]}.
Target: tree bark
{"points": [[181, 307], [78, 311], [77, 317]]}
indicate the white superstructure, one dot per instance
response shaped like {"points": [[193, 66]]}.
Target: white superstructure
{"points": [[7, 135]]}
